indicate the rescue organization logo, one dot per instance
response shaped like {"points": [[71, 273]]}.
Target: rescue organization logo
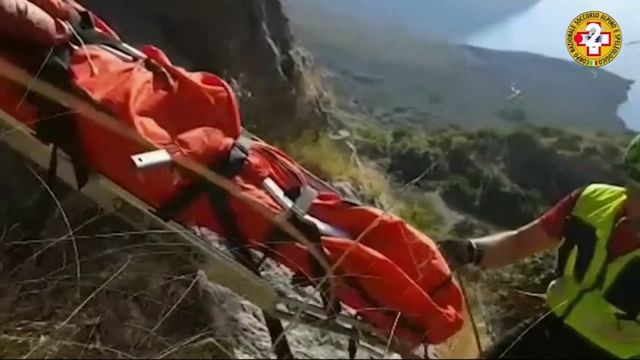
{"points": [[594, 39]]}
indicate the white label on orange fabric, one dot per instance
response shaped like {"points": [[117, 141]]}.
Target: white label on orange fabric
{"points": [[151, 159]]}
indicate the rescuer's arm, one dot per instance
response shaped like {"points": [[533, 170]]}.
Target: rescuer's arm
{"points": [[509, 247], [512, 246]]}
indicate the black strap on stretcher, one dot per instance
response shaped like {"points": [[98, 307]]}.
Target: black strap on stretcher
{"points": [[55, 122], [229, 169], [220, 202]]}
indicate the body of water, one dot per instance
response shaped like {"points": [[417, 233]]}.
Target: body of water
{"points": [[541, 29]]}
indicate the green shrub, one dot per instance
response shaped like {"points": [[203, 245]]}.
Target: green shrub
{"points": [[458, 192], [495, 201], [373, 134], [409, 163], [418, 211], [400, 134], [320, 155], [372, 142], [567, 143], [467, 228], [488, 134], [331, 161]]}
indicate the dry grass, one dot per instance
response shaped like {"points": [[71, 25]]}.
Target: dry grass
{"points": [[420, 213], [132, 297], [335, 161], [321, 155]]}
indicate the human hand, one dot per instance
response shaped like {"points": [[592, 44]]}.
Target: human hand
{"points": [[39, 22], [458, 252], [58, 9]]}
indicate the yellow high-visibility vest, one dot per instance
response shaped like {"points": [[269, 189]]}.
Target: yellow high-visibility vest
{"points": [[599, 300]]}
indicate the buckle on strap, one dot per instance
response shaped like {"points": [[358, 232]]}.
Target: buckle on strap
{"points": [[85, 28], [186, 196], [244, 142], [301, 206]]}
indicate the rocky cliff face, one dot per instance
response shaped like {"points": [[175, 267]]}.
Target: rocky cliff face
{"points": [[247, 42]]}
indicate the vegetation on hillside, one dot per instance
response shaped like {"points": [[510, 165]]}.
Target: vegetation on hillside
{"points": [[504, 178], [501, 178], [336, 162]]}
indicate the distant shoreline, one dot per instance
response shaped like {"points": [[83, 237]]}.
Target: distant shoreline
{"points": [[623, 66], [399, 79]]}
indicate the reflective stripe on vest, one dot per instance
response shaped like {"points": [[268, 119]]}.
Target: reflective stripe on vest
{"points": [[588, 287]]}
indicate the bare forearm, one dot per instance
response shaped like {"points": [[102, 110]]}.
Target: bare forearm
{"points": [[509, 247]]}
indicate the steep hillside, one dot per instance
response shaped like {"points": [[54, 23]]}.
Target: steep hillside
{"points": [[394, 76], [248, 42], [501, 177]]}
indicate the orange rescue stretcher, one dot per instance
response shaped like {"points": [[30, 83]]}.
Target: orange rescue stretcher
{"points": [[116, 111]]}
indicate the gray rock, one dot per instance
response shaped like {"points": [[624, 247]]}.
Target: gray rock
{"points": [[247, 42]]}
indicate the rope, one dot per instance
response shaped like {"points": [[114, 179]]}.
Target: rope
{"points": [[476, 332]]}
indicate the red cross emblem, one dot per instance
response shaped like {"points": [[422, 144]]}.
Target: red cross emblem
{"points": [[594, 48]]}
